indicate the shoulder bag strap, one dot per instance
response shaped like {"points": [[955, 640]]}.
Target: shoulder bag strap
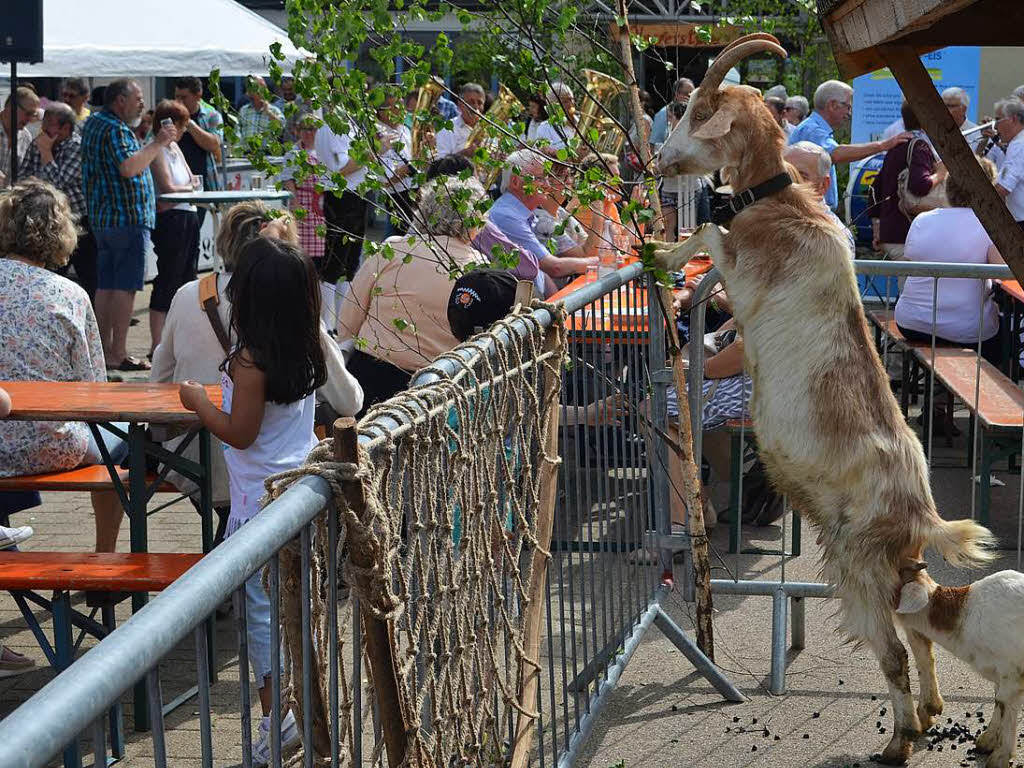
{"points": [[208, 301]]}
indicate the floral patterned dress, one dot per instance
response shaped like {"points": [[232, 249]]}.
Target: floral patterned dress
{"points": [[49, 333]]}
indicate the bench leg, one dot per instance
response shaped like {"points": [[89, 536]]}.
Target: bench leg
{"points": [[798, 635], [797, 534], [64, 650], [116, 709], [905, 384], [206, 514], [986, 474], [735, 497], [139, 530]]}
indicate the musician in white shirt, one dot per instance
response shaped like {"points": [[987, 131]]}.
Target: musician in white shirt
{"points": [[557, 136], [471, 107], [1010, 181]]}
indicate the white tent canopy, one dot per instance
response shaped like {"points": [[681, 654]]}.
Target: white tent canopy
{"points": [[155, 38]]}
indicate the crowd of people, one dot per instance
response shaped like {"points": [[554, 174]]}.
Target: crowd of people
{"points": [[307, 322]]}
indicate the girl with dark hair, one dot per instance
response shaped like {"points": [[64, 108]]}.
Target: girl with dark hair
{"points": [[268, 383]]}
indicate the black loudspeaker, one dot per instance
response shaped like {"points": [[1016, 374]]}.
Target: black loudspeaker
{"points": [[21, 30]]}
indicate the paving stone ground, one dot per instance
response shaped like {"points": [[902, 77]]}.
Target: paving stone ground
{"points": [[661, 713]]}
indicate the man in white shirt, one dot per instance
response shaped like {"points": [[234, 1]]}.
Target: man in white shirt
{"points": [[471, 108], [957, 101], [552, 137], [344, 212], [1010, 181]]}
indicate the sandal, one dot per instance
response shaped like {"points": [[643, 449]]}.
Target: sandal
{"points": [[130, 364]]}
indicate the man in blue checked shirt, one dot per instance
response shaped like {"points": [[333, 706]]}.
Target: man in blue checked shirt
{"points": [[121, 205]]}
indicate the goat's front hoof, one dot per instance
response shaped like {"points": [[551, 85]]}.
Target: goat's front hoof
{"points": [[898, 751], [927, 711], [998, 759], [988, 741]]}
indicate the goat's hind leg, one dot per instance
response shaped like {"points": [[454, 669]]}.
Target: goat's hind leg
{"points": [[707, 238], [892, 657], [1001, 735], [930, 702]]}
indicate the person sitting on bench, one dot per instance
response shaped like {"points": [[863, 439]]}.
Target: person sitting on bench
{"points": [[49, 333], [952, 235]]}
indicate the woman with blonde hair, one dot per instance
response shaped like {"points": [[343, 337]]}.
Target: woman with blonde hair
{"points": [[197, 335], [49, 333]]}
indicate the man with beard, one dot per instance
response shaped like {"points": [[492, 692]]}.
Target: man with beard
{"points": [[121, 205]]}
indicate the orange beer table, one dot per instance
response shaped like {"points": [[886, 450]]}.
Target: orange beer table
{"points": [[101, 404], [622, 314]]}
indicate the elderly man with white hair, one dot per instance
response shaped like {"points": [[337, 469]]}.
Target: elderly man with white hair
{"points": [[1010, 181], [833, 105], [815, 166], [555, 137], [523, 188]]}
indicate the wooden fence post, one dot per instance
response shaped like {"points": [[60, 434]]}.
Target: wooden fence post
{"points": [[529, 674], [379, 634]]}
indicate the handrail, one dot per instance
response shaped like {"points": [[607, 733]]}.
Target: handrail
{"points": [[37, 730]]}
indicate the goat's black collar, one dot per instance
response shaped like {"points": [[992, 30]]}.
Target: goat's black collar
{"points": [[723, 214]]}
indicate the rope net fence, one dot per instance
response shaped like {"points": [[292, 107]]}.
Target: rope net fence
{"points": [[445, 524]]}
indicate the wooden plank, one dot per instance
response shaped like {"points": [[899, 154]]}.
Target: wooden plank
{"points": [[1000, 401], [379, 641], [854, 27], [956, 154], [100, 401], [96, 571], [529, 670]]}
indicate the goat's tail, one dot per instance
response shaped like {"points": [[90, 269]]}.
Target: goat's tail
{"points": [[963, 542]]}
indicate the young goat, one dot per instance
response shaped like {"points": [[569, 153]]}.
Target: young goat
{"points": [[983, 624], [828, 428]]}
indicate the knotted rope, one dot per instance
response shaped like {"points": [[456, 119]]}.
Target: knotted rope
{"points": [[446, 534]]}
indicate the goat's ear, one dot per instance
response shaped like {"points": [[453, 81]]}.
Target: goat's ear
{"points": [[718, 124], [913, 597]]}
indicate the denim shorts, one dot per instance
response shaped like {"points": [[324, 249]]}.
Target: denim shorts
{"points": [[121, 258]]}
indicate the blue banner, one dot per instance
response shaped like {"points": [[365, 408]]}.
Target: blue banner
{"points": [[877, 96]]}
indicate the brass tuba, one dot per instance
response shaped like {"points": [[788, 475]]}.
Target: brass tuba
{"points": [[602, 91], [506, 107], [426, 101]]}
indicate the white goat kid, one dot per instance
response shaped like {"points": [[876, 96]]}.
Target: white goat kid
{"points": [[829, 430], [983, 624]]}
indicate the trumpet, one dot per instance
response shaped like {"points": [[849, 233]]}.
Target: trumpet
{"points": [[426, 101], [505, 107]]}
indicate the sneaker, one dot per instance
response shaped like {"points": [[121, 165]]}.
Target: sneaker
{"points": [[11, 537], [12, 663], [289, 739]]}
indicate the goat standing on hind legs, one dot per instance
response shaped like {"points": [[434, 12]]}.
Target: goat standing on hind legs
{"points": [[829, 429]]}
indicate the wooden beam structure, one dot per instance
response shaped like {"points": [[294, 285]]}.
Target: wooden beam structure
{"points": [[920, 92]]}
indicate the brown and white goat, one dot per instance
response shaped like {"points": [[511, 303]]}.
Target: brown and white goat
{"points": [[828, 428], [982, 624]]}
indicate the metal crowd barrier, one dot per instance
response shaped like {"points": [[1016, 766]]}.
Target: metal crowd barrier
{"points": [[787, 595], [610, 570]]}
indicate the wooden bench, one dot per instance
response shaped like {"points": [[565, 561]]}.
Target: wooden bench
{"points": [[999, 412], [93, 477], [106, 578]]}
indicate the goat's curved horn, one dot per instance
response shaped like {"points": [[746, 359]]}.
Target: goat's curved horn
{"points": [[728, 58], [748, 38]]}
